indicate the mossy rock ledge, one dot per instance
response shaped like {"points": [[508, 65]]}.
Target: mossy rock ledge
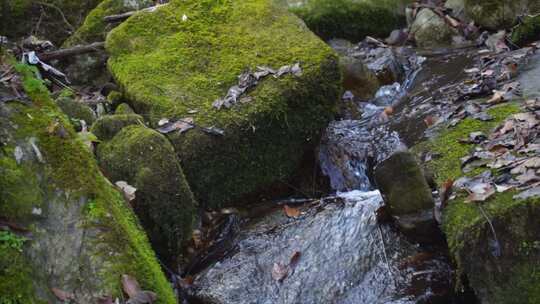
{"points": [[75, 231], [176, 61], [509, 272], [164, 203]]}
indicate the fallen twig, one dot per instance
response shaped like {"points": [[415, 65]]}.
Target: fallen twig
{"points": [[76, 50], [124, 16]]}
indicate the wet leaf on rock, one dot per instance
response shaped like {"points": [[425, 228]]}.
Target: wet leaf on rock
{"points": [[279, 272], [291, 211]]}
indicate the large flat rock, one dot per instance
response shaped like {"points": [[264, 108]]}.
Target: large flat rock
{"points": [[177, 61]]}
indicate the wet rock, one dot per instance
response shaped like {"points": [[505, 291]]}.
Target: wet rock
{"points": [[406, 192], [430, 30], [332, 255], [349, 151], [163, 201], [265, 136], [358, 78], [67, 228], [388, 95], [107, 126], [383, 62]]}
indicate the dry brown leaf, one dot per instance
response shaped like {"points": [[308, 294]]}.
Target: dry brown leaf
{"points": [[279, 272], [130, 285], [389, 111], [446, 191], [291, 211], [62, 295], [430, 120], [295, 257]]}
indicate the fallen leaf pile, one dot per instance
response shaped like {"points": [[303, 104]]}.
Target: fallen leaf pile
{"points": [[510, 155]]}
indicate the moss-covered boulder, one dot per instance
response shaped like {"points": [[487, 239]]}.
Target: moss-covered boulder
{"points": [[94, 28], [176, 61], [497, 14], [107, 126], [68, 228], [501, 267], [146, 160], [351, 19], [54, 20]]}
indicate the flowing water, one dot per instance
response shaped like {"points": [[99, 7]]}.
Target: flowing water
{"points": [[335, 251]]}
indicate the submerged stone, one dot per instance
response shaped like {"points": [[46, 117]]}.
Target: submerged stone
{"points": [[331, 254], [68, 228], [174, 67], [164, 203]]}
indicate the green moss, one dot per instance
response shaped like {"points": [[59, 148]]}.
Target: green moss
{"points": [[95, 28], [506, 279], [146, 159], [18, 184], [350, 19], [123, 109], [169, 67], [122, 246], [527, 31], [449, 150], [16, 286], [107, 126]]}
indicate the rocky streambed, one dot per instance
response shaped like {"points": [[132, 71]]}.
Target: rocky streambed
{"points": [[222, 145]]}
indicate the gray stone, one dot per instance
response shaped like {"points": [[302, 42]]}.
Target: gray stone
{"points": [[430, 30]]}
